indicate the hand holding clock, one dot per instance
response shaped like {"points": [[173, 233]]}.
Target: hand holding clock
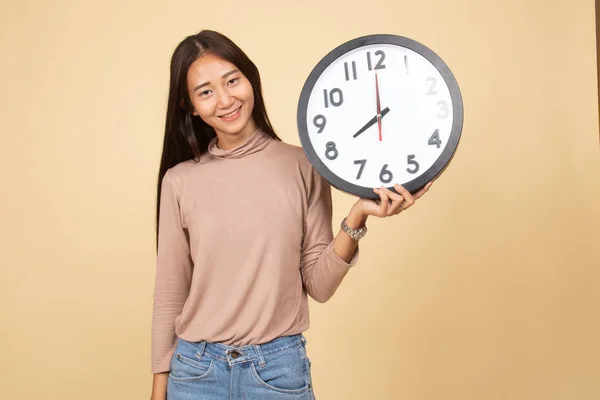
{"points": [[389, 204]]}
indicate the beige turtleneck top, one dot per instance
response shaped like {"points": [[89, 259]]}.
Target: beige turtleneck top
{"points": [[244, 235]]}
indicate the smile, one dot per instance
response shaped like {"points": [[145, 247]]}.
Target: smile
{"points": [[232, 115]]}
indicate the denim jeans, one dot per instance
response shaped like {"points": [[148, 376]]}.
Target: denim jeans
{"points": [[277, 370]]}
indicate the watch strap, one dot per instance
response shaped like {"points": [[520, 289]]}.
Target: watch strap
{"points": [[355, 234]]}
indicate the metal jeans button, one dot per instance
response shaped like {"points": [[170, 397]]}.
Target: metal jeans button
{"points": [[234, 354]]}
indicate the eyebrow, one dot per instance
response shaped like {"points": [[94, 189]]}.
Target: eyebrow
{"points": [[233, 71]]}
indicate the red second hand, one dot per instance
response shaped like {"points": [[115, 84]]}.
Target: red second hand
{"points": [[378, 106]]}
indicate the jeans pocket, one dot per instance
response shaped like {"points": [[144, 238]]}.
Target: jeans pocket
{"points": [[285, 372], [189, 364]]}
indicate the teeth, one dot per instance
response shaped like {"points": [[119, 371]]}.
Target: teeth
{"points": [[231, 114]]}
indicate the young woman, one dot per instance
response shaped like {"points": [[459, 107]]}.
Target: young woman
{"points": [[244, 235]]}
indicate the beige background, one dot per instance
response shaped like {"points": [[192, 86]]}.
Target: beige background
{"points": [[489, 288]]}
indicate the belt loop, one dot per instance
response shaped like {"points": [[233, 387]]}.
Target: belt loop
{"points": [[259, 353], [201, 348]]}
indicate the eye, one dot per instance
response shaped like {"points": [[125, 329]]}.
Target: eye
{"points": [[205, 93], [232, 81]]}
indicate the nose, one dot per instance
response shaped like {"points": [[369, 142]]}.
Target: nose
{"points": [[225, 99]]}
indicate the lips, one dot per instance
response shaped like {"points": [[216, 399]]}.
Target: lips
{"points": [[232, 115]]}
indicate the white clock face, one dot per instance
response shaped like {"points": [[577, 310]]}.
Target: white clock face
{"points": [[415, 108]]}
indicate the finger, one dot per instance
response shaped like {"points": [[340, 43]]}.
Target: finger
{"points": [[409, 200], [377, 201], [397, 200], [385, 202], [423, 190]]}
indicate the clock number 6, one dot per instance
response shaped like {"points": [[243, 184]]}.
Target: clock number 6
{"points": [[385, 176]]}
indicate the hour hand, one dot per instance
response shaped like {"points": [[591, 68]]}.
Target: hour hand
{"points": [[371, 122]]}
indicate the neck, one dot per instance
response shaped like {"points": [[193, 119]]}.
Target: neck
{"points": [[255, 143], [228, 141]]}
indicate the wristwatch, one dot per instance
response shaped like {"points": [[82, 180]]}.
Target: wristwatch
{"points": [[355, 234]]}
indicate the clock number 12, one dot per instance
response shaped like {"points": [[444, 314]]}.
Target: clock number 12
{"points": [[379, 64]]}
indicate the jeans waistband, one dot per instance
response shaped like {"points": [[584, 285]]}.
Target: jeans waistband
{"points": [[251, 352]]}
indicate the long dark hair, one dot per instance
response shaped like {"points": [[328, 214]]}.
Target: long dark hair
{"points": [[187, 136]]}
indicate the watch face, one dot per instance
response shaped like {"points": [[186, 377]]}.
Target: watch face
{"points": [[380, 110]]}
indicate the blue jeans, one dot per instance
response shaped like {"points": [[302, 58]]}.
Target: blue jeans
{"points": [[277, 370]]}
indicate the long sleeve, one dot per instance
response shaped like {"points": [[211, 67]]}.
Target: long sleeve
{"points": [[173, 276], [321, 268]]}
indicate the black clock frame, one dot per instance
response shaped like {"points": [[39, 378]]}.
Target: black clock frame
{"points": [[457, 105]]}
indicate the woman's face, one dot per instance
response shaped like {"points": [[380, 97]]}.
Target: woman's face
{"points": [[222, 96]]}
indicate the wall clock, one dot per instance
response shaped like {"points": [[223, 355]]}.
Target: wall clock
{"points": [[379, 110]]}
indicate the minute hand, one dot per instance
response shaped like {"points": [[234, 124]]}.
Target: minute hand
{"points": [[371, 122]]}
